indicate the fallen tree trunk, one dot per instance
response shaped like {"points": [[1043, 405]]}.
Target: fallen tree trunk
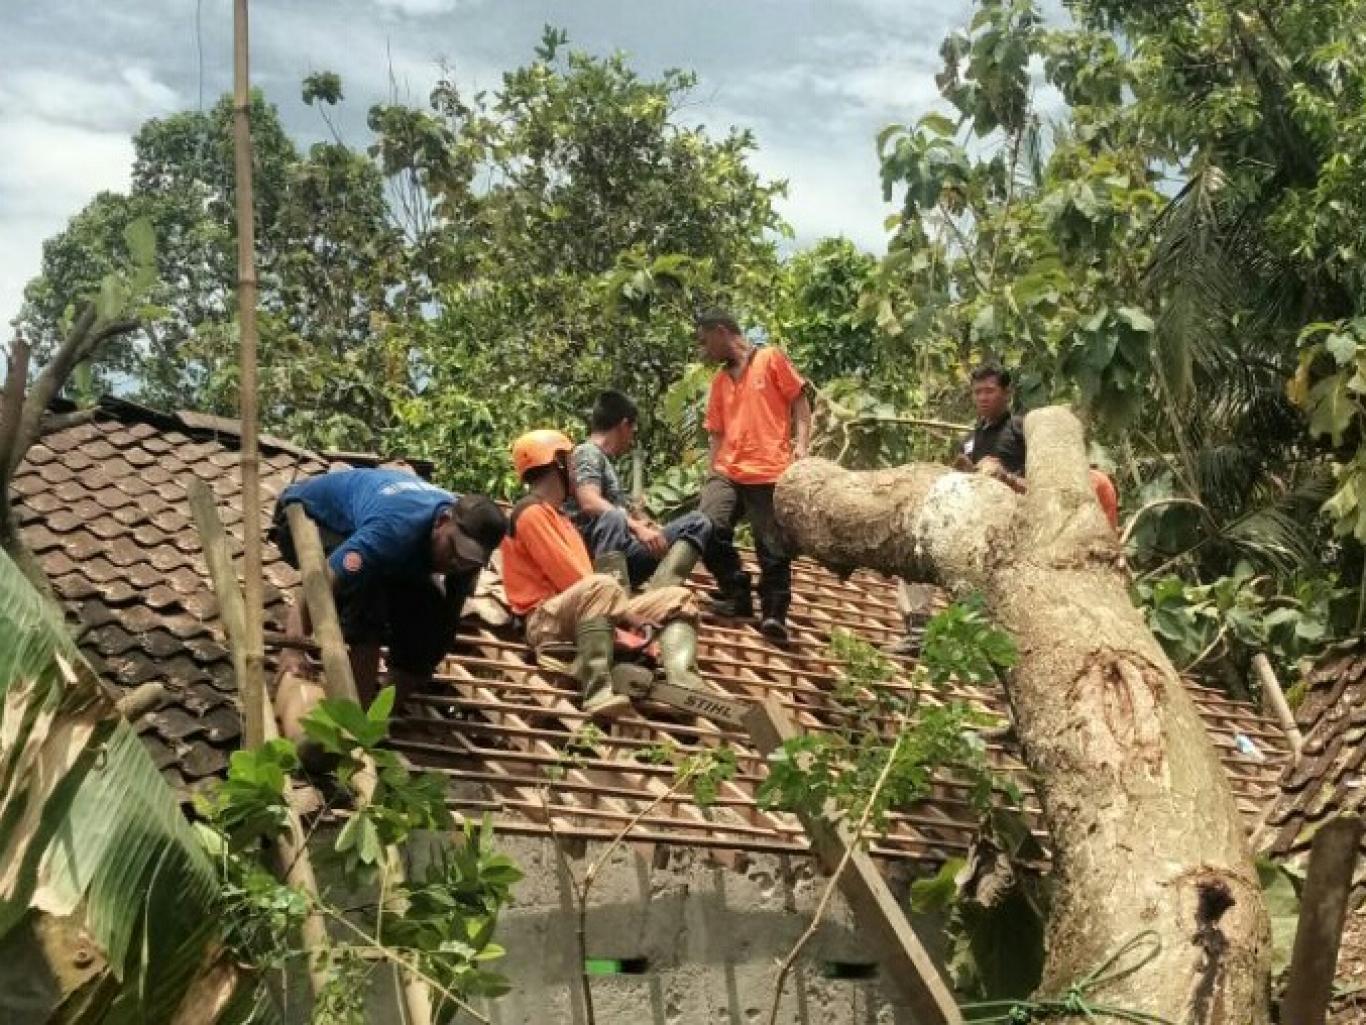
{"points": [[1145, 832]]}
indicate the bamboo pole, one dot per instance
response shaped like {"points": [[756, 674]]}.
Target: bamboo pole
{"points": [[338, 680], [1273, 696], [292, 850], [252, 681]]}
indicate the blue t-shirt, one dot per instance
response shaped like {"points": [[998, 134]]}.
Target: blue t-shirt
{"points": [[385, 517]]}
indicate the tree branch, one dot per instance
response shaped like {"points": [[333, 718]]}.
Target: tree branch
{"points": [[11, 412], [963, 245], [852, 845], [86, 335], [21, 419]]}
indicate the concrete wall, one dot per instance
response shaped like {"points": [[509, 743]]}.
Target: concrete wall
{"points": [[711, 939]]}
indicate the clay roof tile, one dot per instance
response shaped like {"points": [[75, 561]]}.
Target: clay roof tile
{"points": [[138, 586]]}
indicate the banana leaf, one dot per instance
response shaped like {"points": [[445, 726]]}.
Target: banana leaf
{"points": [[89, 831]]}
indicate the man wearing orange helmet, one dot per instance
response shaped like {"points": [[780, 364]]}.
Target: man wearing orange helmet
{"points": [[550, 581]]}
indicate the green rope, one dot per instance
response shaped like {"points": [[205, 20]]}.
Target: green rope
{"points": [[1076, 1001]]}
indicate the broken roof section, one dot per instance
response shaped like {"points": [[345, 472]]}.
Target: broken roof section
{"points": [[102, 502]]}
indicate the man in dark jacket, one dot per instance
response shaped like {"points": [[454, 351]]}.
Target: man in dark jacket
{"points": [[998, 434]]}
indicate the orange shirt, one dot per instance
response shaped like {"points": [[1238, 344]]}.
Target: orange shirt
{"points": [[543, 555], [754, 417], [1106, 496]]}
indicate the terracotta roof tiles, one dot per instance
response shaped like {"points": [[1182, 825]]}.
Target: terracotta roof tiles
{"points": [[120, 546], [1331, 774], [103, 508]]}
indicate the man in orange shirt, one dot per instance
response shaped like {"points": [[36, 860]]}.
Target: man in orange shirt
{"points": [[550, 581], [756, 405], [1106, 495]]}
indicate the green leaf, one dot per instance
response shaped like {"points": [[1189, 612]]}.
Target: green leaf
{"points": [[97, 834], [1342, 347], [382, 706], [886, 135], [937, 892], [1331, 407], [111, 298], [1283, 905], [937, 124], [1136, 319], [1345, 500], [1097, 320], [142, 241]]}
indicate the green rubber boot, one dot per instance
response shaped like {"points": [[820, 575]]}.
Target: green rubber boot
{"points": [[676, 566], [614, 565], [678, 654], [601, 679]]}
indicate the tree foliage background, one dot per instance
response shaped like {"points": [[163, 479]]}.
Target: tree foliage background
{"points": [[1152, 210]]}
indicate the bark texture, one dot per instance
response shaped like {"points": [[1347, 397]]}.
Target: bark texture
{"points": [[1145, 832]]}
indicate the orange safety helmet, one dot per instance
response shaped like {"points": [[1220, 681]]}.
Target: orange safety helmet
{"points": [[538, 448]]}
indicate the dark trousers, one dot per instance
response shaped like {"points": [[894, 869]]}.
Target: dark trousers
{"points": [[610, 532], [415, 617], [724, 502]]}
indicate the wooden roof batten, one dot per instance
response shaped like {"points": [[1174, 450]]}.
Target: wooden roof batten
{"points": [[102, 502]]}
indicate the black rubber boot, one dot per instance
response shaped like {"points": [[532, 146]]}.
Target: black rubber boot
{"points": [[773, 623], [733, 599]]}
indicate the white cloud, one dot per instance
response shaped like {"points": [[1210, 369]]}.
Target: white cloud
{"points": [[828, 194], [149, 93], [814, 81], [49, 172], [66, 136], [419, 8], [102, 98]]}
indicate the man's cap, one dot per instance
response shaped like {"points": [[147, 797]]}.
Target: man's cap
{"points": [[482, 527]]}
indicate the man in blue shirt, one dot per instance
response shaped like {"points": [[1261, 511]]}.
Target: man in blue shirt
{"points": [[403, 556]]}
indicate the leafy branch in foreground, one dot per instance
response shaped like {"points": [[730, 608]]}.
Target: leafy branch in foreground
{"points": [[701, 772], [391, 802], [831, 774], [441, 929], [858, 773]]}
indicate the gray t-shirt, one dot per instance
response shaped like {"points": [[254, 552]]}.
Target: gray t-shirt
{"points": [[589, 465]]}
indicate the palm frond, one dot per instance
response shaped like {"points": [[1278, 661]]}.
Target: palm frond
{"points": [[1282, 530], [89, 831]]}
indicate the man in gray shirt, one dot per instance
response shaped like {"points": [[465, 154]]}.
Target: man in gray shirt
{"points": [[598, 506]]}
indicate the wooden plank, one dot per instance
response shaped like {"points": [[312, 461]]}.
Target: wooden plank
{"points": [[231, 609], [905, 961], [338, 682], [1323, 910], [308, 546], [292, 857]]}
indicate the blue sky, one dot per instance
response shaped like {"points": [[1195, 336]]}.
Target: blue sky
{"points": [[814, 79]]}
